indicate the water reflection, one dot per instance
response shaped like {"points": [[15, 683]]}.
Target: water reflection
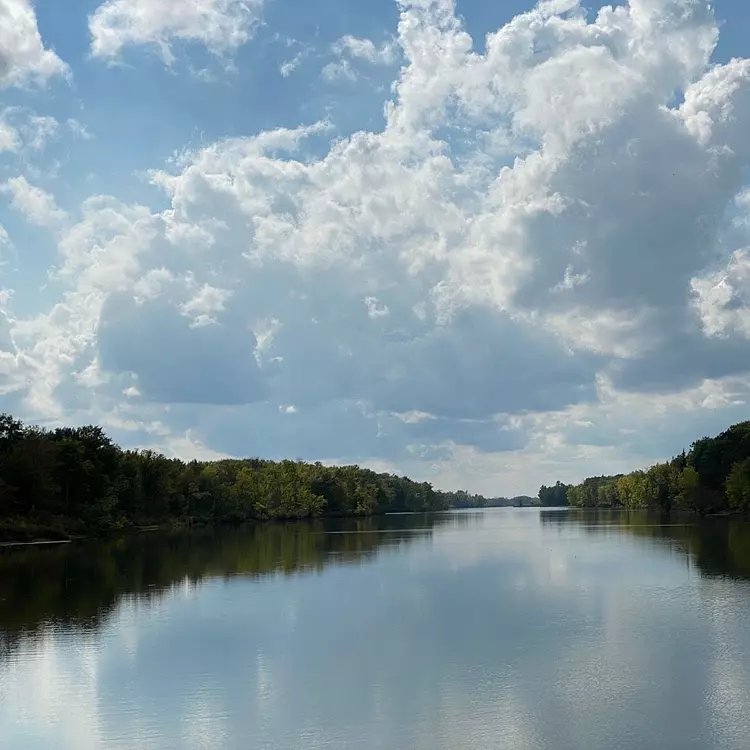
{"points": [[718, 547], [76, 585], [463, 631]]}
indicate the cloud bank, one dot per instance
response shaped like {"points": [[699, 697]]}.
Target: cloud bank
{"points": [[542, 253]]}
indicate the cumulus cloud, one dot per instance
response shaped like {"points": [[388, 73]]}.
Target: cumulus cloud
{"points": [[206, 301], [195, 365], [538, 233], [38, 206], [24, 59], [220, 25]]}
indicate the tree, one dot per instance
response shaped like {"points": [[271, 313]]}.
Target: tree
{"points": [[556, 496], [689, 488], [738, 485]]}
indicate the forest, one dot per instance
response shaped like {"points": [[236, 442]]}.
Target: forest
{"points": [[712, 477], [77, 481]]}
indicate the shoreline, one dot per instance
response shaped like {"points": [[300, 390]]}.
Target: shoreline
{"points": [[35, 543], [21, 534], [35, 533], [26, 535]]}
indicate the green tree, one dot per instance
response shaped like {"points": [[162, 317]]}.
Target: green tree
{"points": [[738, 485], [689, 489]]}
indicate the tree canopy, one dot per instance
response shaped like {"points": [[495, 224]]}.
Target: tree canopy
{"points": [[712, 477], [76, 480]]}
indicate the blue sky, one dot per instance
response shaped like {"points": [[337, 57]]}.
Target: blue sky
{"points": [[485, 244]]}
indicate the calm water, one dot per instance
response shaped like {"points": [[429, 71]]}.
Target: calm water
{"points": [[513, 629]]}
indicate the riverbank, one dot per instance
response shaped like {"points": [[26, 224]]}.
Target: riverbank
{"points": [[18, 532], [37, 543], [25, 532]]}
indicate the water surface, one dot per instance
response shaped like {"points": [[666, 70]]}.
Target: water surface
{"points": [[517, 629]]}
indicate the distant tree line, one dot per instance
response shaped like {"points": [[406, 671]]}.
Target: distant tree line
{"points": [[76, 480], [713, 477], [463, 499]]}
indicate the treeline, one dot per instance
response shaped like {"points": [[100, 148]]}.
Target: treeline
{"points": [[76, 480], [463, 499], [713, 477]]}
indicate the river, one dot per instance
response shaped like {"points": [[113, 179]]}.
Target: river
{"points": [[517, 629]]}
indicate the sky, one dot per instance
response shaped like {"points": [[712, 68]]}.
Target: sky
{"points": [[487, 245]]}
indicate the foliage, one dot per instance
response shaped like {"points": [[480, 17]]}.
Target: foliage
{"points": [[714, 476], [556, 496], [738, 485], [78, 480]]}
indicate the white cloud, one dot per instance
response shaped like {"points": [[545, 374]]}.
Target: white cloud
{"points": [[152, 284], [339, 71], [78, 128], [618, 433], [349, 48], [413, 417], [189, 447], [494, 279], [101, 251], [220, 25], [27, 134], [24, 59], [722, 298], [38, 206], [374, 308], [99, 255], [206, 301], [39, 130], [92, 376], [5, 240], [287, 68], [9, 138], [365, 49], [264, 331]]}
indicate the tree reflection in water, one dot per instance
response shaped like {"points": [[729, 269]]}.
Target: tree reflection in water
{"points": [[718, 547], [78, 585]]}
